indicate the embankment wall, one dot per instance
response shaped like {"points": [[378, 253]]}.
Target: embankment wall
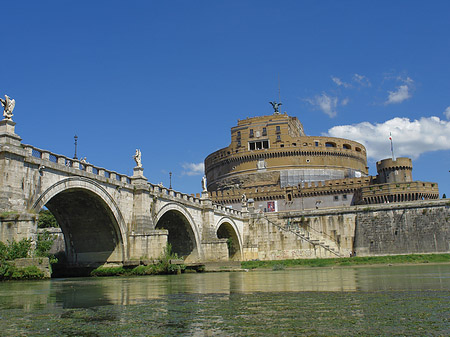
{"points": [[370, 230], [403, 228]]}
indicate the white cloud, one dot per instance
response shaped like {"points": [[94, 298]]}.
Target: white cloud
{"points": [[398, 96], [339, 82], [402, 93], [447, 112], [325, 103], [411, 138], [345, 101], [362, 80], [193, 169]]}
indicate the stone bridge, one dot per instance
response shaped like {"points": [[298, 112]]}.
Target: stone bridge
{"points": [[107, 217]]}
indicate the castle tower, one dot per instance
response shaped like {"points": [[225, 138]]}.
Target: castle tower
{"points": [[394, 171]]}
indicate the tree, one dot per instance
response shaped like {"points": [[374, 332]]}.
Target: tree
{"points": [[46, 219]]}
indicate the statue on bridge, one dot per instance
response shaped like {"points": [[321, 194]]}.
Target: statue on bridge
{"points": [[204, 184], [137, 158], [8, 106]]}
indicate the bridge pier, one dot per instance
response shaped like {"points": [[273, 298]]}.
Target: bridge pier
{"points": [[16, 222], [213, 249], [144, 241]]}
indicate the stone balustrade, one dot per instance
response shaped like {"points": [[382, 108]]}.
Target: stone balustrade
{"points": [[74, 164]]}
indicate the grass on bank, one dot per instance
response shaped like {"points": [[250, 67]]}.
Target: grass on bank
{"points": [[348, 261]]}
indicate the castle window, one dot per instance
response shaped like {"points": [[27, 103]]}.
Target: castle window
{"points": [[330, 144], [258, 145], [278, 138], [251, 133], [278, 129], [357, 149], [316, 143], [239, 143], [336, 198], [294, 144], [264, 132], [344, 197], [238, 135], [346, 146]]}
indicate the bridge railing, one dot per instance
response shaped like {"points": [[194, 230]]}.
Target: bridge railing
{"points": [[74, 164], [227, 210], [175, 194], [190, 197]]}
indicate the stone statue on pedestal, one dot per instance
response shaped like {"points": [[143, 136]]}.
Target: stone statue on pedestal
{"points": [[8, 106], [137, 158]]}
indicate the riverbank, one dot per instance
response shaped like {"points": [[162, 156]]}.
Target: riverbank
{"points": [[348, 261]]}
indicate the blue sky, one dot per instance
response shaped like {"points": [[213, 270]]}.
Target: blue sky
{"points": [[172, 78]]}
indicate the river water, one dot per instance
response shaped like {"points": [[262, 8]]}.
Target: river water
{"points": [[391, 300]]}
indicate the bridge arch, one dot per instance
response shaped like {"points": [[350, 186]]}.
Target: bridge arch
{"points": [[226, 228], [184, 235], [90, 219]]}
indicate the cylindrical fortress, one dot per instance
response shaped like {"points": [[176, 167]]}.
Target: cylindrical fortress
{"points": [[274, 151], [394, 171]]}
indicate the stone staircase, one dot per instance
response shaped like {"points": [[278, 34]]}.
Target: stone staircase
{"points": [[313, 238]]}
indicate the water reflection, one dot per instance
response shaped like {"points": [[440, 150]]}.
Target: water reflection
{"points": [[93, 292]]}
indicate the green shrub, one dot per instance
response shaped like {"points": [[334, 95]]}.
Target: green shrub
{"points": [[43, 245], [145, 270], [6, 270], [15, 250], [22, 249], [164, 266], [278, 267], [141, 270], [10, 272], [108, 271], [27, 273], [46, 219]]}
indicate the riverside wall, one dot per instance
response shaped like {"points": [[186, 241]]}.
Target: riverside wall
{"points": [[403, 228], [369, 230]]}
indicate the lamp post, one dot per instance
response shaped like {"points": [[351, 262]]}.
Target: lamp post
{"points": [[76, 141], [170, 180]]}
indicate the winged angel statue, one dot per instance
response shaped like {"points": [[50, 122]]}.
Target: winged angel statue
{"points": [[276, 106], [8, 106]]}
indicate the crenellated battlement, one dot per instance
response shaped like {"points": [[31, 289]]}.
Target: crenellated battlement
{"points": [[307, 189]]}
